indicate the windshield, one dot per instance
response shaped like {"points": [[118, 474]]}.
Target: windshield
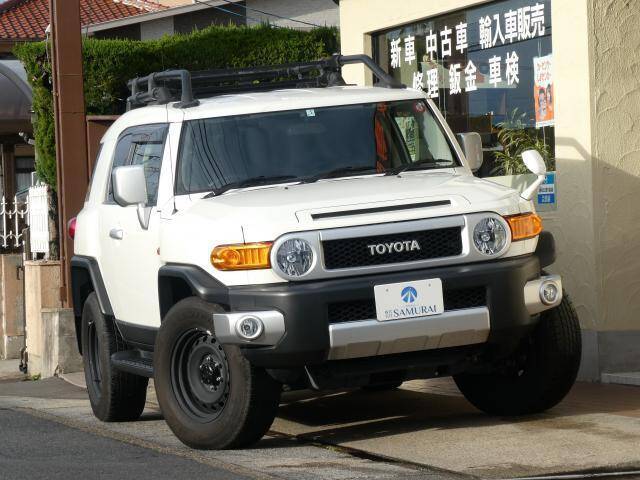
{"points": [[310, 144]]}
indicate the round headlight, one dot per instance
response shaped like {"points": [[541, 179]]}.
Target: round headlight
{"points": [[490, 236], [295, 257]]}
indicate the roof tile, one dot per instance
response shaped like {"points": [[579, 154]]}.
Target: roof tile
{"points": [[28, 19]]}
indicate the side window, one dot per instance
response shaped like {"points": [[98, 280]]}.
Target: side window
{"points": [[141, 145]]}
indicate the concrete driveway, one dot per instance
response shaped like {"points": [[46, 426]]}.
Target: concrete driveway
{"points": [[428, 423]]}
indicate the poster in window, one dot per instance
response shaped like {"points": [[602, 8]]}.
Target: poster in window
{"points": [[543, 90]]}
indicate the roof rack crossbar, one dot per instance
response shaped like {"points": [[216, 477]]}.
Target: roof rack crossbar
{"points": [[169, 85], [385, 79]]}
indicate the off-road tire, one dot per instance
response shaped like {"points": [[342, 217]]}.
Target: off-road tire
{"points": [[538, 375], [115, 396], [247, 397]]}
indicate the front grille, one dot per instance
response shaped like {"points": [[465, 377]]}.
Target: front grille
{"points": [[366, 309], [356, 252]]}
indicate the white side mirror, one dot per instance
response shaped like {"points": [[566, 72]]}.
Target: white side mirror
{"points": [[535, 163], [130, 188]]}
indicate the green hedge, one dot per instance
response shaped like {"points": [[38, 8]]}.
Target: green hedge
{"points": [[108, 64]]}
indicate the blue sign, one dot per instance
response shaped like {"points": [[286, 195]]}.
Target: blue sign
{"points": [[547, 191]]}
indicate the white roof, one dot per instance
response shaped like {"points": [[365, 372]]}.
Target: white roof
{"points": [[294, 99], [258, 102]]}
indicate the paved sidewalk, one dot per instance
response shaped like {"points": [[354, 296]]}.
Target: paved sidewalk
{"points": [[9, 370], [428, 422]]}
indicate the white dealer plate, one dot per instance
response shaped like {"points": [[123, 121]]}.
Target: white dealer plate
{"points": [[421, 298]]}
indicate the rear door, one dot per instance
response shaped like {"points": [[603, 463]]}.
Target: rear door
{"points": [[130, 258]]}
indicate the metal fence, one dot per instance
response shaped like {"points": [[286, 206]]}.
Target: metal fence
{"points": [[13, 214], [28, 210]]}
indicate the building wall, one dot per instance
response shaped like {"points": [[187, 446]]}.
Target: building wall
{"points": [[131, 32], [616, 156], [597, 95], [318, 12], [156, 28], [187, 22]]}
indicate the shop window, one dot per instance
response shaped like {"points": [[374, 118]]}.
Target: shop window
{"points": [[489, 70]]}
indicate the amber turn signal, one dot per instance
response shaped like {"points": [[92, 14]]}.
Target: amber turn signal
{"points": [[524, 226], [243, 256]]}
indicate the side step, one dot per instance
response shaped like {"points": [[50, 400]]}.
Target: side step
{"points": [[137, 362]]}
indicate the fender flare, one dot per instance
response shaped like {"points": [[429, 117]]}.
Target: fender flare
{"points": [[86, 278], [199, 282], [85, 270]]}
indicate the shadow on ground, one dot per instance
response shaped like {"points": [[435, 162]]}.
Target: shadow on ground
{"points": [[359, 414]]}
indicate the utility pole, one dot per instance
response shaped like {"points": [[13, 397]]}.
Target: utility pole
{"points": [[70, 126]]}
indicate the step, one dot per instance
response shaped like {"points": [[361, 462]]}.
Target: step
{"points": [[622, 378], [135, 361]]}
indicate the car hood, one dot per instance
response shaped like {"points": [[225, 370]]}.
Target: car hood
{"points": [[268, 212]]}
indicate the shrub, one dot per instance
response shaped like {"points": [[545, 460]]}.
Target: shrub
{"points": [[108, 64]]}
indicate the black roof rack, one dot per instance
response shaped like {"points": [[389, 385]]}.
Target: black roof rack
{"points": [[186, 87]]}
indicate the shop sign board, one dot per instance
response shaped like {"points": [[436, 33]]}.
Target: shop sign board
{"points": [[497, 30]]}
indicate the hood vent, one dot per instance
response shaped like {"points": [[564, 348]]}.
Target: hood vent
{"points": [[391, 208]]}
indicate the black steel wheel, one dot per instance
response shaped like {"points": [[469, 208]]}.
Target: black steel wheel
{"points": [[114, 396], [200, 375], [210, 395]]}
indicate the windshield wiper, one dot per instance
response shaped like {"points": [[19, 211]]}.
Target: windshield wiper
{"points": [[424, 164], [249, 182], [337, 173]]}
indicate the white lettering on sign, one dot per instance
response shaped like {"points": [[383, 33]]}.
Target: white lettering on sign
{"points": [[512, 69], [524, 23], [454, 79], [418, 83], [494, 30], [409, 49], [498, 34], [461, 37], [484, 25], [495, 70], [470, 77], [395, 51], [511, 26], [433, 83], [445, 42], [432, 45], [537, 20]]}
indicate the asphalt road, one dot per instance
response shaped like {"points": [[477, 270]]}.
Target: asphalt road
{"points": [[36, 448], [47, 431]]}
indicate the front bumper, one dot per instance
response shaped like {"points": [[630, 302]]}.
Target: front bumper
{"points": [[310, 339]]}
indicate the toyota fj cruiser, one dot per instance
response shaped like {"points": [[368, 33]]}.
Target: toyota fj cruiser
{"points": [[253, 230]]}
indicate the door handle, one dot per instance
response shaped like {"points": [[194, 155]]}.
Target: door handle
{"points": [[116, 233]]}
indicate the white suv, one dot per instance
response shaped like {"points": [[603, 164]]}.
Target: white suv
{"points": [[252, 229]]}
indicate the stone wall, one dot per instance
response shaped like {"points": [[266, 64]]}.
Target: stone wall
{"points": [[11, 306]]}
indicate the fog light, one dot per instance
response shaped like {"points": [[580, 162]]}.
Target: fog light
{"points": [[249, 327], [549, 293]]}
